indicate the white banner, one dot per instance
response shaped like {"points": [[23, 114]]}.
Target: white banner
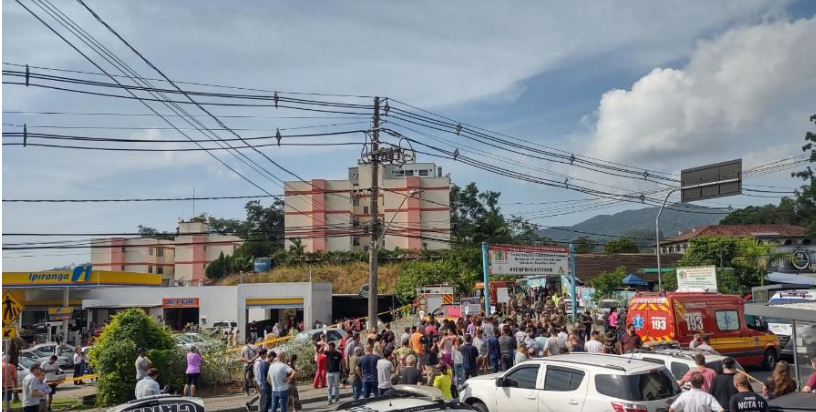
{"points": [[697, 278], [529, 260]]}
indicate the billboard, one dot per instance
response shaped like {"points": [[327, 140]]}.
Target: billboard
{"points": [[697, 278], [529, 260]]}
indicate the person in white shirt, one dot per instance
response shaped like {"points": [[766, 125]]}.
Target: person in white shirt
{"points": [[148, 386], [385, 371], [79, 365], [50, 369], [279, 377], [696, 400], [706, 345], [594, 344], [32, 394], [563, 338]]}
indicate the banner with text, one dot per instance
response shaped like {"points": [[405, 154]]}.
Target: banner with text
{"points": [[529, 260], [703, 278]]}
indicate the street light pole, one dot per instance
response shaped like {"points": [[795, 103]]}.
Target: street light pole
{"points": [[657, 240], [411, 193]]}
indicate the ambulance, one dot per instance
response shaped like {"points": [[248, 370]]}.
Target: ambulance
{"points": [[677, 316]]}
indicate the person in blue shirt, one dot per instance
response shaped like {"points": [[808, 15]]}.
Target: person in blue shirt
{"points": [[494, 352], [367, 368]]}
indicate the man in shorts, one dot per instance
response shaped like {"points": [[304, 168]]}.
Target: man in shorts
{"points": [[51, 370]]}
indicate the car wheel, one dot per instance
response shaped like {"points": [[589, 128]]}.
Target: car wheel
{"points": [[769, 360], [480, 407]]}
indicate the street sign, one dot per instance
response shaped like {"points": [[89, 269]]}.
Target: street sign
{"points": [[711, 181], [697, 278], [61, 313], [529, 260], [12, 308], [9, 332]]}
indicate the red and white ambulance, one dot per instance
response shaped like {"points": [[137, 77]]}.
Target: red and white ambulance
{"points": [[677, 316]]}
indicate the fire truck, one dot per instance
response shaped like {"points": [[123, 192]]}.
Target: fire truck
{"points": [[432, 297]]}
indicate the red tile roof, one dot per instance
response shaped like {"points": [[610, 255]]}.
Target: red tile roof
{"points": [[763, 231], [589, 265]]}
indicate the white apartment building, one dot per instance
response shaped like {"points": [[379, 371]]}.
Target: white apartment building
{"points": [[180, 260], [333, 215]]}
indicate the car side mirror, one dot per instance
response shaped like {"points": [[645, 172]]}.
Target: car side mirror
{"points": [[499, 382]]}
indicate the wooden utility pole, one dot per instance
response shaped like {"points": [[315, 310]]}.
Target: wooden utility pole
{"points": [[374, 224]]}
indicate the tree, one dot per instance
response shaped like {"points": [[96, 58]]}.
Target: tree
{"points": [[219, 267], [606, 283], [419, 273], [741, 262], [476, 216], [114, 352], [147, 231], [622, 245], [799, 209], [523, 231], [584, 245]]}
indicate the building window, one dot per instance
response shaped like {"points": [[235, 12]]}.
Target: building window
{"points": [[150, 269], [160, 270], [355, 222], [365, 209], [123, 249], [409, 173], [355, 241], [150, 251], [355, 201], [424, 172], [122, 268], [160, 252], [399, 173]]}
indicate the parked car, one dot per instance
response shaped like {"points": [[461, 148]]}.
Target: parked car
{"points": [[406, 398], [190, 339], [22, 370], [574, 383], [332, 334], [65, 354], [677, 316], [163, 402], [679, 360]]}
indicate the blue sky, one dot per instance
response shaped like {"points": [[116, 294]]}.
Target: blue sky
{"points": [[663, 86]]}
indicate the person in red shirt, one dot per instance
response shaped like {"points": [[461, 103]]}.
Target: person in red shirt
{"points": [[708, 374], [810, 386], [9, 379]]}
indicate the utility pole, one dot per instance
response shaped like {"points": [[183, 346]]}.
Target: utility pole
{"points": [[374, 224]]}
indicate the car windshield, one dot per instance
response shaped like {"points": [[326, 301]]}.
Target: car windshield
{"points": [[650, 386], [183, 339]]}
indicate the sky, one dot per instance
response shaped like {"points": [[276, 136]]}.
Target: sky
{"points": [[661, 86]]}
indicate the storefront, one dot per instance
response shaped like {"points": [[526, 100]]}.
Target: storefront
{"points": [[52, 300], [264, 303]]}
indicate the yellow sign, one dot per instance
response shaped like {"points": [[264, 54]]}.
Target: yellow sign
{"points": [[81, 276], [12, 308], [9, 333], [60, 311]]}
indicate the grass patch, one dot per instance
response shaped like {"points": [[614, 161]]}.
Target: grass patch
{"points": [[345, 277]]}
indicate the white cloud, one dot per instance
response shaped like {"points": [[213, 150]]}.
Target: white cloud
{"points": [[743, 91]]}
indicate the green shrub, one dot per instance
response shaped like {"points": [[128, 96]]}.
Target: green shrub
{"points": [[114, 355]]}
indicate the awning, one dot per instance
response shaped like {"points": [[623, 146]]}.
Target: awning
{"points": [[634, 280], [792, 278]]}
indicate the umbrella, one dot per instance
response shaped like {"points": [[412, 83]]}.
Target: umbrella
{"points": [[634, 280]]}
